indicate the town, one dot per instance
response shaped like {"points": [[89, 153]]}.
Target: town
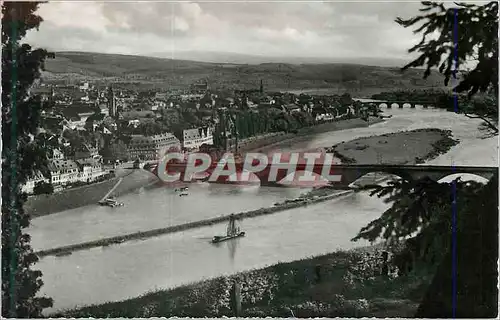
{"points": [[94, 126]]}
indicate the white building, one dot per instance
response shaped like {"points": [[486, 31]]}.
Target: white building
{"points": [[194, 138], [31, 182], [324, 117], [90, 169], [134, 123], [190, 96], [84, 86], [63, 172], [152, 147], [56, 155], [161, 96]]}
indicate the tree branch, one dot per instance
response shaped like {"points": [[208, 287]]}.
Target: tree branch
{"points": [[487, 121]]}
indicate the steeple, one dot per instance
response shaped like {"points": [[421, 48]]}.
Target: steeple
{"points": [[111, 103], [261, 87], [97, 99]]}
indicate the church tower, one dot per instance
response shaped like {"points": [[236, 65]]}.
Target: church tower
{"points": [[97, 99], [111, 103], [261, 87]]}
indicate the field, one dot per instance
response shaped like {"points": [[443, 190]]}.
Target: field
{"points": [[359, 80]]}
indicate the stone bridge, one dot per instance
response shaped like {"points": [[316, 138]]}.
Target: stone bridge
{"points": [[343, 175], [396, 104]]}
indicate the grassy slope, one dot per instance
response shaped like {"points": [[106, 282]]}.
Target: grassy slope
{"points": [[275, 75], [348, 285]]}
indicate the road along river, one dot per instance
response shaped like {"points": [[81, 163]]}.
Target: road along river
{"points": [[133, 268]]}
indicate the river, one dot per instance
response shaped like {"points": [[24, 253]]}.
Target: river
{"points": [[133, 268]]}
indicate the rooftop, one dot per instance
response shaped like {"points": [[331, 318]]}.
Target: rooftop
{"points": [[58, 165], [88, 162]]}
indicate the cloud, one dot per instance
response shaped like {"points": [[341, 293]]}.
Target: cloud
{"points": [[338, 29]]}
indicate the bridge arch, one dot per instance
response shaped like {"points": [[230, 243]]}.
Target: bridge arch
{"points": [[408, 105], [376, 177], [384, 105], [394, 105], [465, 177], [440, 176]]}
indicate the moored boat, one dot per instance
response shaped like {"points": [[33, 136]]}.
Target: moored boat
{"points": [[110, 202]]}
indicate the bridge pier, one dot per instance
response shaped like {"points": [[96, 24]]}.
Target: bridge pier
{"points": [[412, 106], [400, 106], [425, 106]]}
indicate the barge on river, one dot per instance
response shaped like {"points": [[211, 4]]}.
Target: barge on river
{"points": [[232, 232]]}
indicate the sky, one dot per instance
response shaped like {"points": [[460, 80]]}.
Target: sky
{"points": [[271, 28]]}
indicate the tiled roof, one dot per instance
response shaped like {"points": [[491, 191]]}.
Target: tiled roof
{"points": [[152, 139], [88, 162], [58, 165]]}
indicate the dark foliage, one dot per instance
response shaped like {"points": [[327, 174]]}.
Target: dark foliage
{"points": [[476, 264], [419, 218], [467, 32], [21, 156], [418, 229], [42, 187]]}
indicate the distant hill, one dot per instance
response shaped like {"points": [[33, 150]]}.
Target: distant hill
{"points": [[163, 72], [239, 58]]}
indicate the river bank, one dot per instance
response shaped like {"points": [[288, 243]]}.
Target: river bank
{"points": [[42, 205], [305, 133], [315, 196]]}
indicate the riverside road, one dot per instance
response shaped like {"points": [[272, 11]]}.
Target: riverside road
{"points": [[133, 268]]}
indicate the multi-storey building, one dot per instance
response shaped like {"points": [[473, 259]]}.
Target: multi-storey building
{"points": [[90, 169], [151, 147], [194, 138], [63, 172]]}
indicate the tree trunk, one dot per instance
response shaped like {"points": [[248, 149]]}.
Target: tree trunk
{"points": [[236, 299]]}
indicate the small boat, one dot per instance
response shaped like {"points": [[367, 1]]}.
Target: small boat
{"points": [[110, 202], [232, 232], [183, 194], [182, 189]]}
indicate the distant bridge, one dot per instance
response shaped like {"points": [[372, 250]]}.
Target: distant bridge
{"points": [[343, 175], [397, 103]]}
